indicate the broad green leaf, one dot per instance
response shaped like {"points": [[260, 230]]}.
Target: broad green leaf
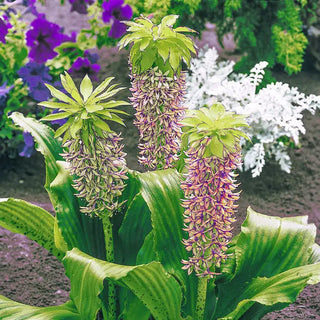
{"points": [[134, 308], [147, 253], [159, 291], [282, 288], [37, 224], [134, 228], [315, 254], [78, 230], [12, 310], [86, 88], [162, 193], [272, 255]]}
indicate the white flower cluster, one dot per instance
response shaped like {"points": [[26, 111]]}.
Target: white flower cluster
{"points": [[274, 112]]}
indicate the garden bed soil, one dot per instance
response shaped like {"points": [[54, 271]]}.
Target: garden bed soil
{"points": [[29, 274]]}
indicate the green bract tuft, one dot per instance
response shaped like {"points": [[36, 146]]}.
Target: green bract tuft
{"points": [[158, 45], [215, 123], [85, 109]]}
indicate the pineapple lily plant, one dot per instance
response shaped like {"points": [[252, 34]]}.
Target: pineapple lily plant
{"points": [[159, 244]]}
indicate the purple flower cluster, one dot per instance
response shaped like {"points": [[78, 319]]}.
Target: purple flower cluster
{"points": [[210, 204], [157, 100], [4, 27], [35, 76], [42, 38], [100, 170], [115, 11], [80, 6], [3, 96]]}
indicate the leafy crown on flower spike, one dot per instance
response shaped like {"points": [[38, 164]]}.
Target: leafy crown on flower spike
{"points": [[86, 109], [158, 45], [218, 124]]}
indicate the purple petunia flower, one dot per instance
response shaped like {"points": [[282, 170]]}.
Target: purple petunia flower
{"points": [[28, 148], [4, 27], [43, 37], [35, 76], [80, 6], [3, 96], [93, 57], [83, 66], [115, 12]]}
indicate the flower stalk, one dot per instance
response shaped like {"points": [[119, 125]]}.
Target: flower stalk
{"points": [[201, 298]]}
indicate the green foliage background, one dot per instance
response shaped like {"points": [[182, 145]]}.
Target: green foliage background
{"points": [[264, 30]]}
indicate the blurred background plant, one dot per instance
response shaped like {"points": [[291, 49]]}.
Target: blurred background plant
{"points": [[34, 51], [274, 31]]}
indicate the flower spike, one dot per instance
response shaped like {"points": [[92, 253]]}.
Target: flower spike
{"points": [[158, 86], [93, 151], [214, 152]]}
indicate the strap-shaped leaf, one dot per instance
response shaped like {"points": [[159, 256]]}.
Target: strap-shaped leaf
{"points": [[12, 310], [78, 230], [161, 191], [37, 224], [281, 289], [272, 255], [134, 228], [159, 291]]}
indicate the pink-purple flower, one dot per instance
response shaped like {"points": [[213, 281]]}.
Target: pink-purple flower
{"points": [[115, 11], [157, 99], [210, 204], [42, 38]]}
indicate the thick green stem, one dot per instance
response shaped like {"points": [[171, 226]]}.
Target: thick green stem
{"points": [[201, 298], [111, 305]]}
